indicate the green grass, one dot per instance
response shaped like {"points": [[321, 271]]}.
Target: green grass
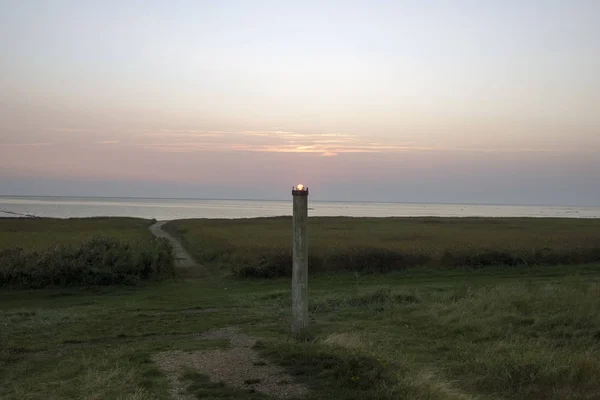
{"points": [[420, 333], [490, 334], [201, 387], [333, 372], [262, 247]]}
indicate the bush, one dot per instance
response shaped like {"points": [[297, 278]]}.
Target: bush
{"points": [[267, 263], [99, 261], [278, 263], [272, 264]]}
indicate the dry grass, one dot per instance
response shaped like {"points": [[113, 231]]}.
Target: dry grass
{"points": [[261, 247]]}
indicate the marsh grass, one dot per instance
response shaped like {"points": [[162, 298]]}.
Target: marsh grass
{"points": [[35, 253], [99, 261], [260, 248]]}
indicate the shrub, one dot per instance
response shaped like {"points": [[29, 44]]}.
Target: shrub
{"points": [[99, 261], [274, 263]]}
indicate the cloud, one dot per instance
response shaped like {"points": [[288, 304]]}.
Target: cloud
{"points": [[26, 144], [285, 141], [69, 130], [268, 141], [109, 142], [182, 133], [506, 149]]}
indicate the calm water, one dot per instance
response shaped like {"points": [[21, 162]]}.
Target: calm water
{"points": [[161, 209]]}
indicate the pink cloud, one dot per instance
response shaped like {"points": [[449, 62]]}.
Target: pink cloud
{"points": [[26, 144], [109, 142]]}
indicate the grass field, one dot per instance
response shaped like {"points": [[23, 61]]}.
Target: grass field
{"points": [[418, 333], [262, 247], [406, 335], [43, 233]]}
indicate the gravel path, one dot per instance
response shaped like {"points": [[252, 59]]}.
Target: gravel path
{"points": [[182, 257], [239, 366]]}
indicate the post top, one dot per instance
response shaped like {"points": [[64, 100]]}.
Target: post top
{"points": [[300, 190]]}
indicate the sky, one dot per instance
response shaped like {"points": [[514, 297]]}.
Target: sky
{"points": [[407, 101]]}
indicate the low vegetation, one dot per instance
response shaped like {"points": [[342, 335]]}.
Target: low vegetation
{"points": [[98, 251], [201, 387], [262, 247], [100, 261], [417, 333], [485, 334]]}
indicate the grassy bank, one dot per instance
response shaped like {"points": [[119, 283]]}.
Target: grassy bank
{"points": [[36, 253], [261, 247]]}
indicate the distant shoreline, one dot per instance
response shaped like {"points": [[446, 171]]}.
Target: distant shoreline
{"points": [[283, 200], [171, 209]]}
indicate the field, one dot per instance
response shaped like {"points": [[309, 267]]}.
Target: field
{"points": [[41, 234], [425, 332], [401, 336], [262, 247], [36, 253]]}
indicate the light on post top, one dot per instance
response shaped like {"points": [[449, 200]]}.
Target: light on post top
{"points": [[300, 187]]}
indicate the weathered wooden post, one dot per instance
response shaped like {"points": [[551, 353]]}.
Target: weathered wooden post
{"points": [[300, 262]]}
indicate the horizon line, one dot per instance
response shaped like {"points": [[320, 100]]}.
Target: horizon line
{"points": [[283, 200]]}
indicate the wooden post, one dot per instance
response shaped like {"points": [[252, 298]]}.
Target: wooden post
{"points": [[300, 262]]}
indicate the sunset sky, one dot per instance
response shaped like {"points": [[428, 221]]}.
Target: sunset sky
{"points": [[409, 101]]}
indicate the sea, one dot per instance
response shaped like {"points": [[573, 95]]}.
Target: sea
{"points": [[168, 209]]}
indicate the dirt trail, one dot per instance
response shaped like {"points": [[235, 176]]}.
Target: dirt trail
{"points": [[182, 257], [238, 366]]}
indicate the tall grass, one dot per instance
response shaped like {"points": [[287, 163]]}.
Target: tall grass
{"points": [[99, 261], [262, 247]]}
